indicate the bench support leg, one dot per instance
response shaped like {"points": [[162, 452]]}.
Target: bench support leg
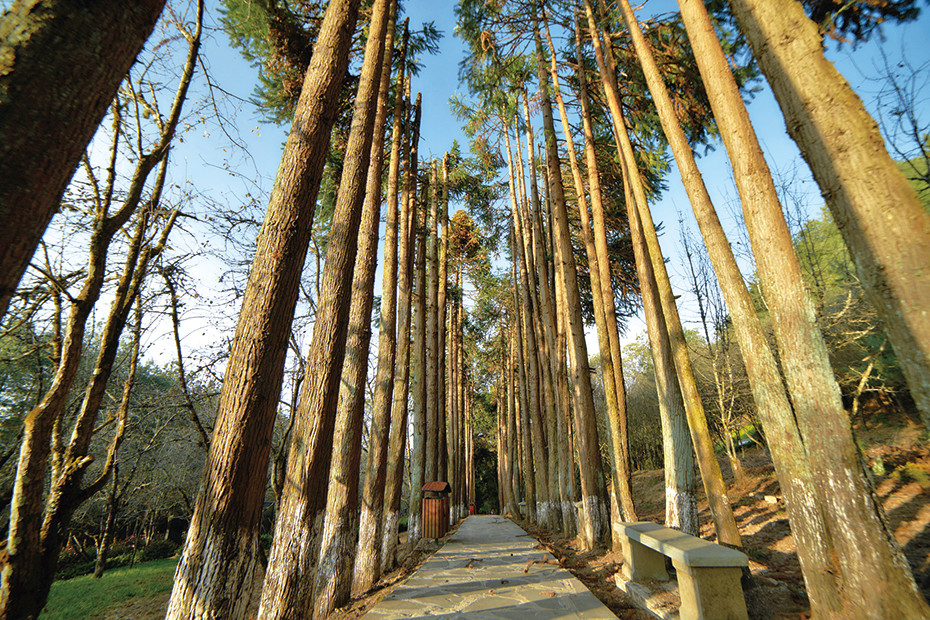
{"points": [[711, 593], [640, 563]]}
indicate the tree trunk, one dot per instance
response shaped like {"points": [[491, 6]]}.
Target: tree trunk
{"points": [[333, 574], [871, 575], [533, 415], [596, 530], [107, 536], [288, 587], [398, 438], [601, 287], [223, 536], [538, 325], [443, 447], [432, 331], [860, 182], [368, 559], [523, 431], [418, 362], [61, 65], [454, 371], [711, 475]]}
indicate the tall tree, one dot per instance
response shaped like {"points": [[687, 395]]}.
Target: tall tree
{"points": [[596, 530], [860, 182], [60, 67], [50, 471], [214, 577], [599, 268], [809, 527], [432, 329], [442, 303], [870, 578], [368, 560], [288, 584], [418, 363], [336, 563], [711, 476], [398, 437]]}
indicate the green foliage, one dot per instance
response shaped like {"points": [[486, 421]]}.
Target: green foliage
{"points": [[158, 550], [277, 37], [86, 597]]}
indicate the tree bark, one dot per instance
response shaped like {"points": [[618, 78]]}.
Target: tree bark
{"points": [[443, 447], [418, 362], [61, 65], [860, 182], [333, 574], [538, 325], [288, 587], [872, 579], [368, 559], [398, 438], [214, 577], [596, 529], [788, 452], [432, 331], [601, 286]]}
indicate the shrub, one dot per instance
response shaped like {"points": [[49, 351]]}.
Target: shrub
{"points": [[158, 550]]}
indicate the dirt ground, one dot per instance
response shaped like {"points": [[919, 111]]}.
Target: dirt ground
{"points": [[897, 456]]}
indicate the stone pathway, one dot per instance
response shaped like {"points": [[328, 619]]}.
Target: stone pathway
{"points": [[479, 574]]}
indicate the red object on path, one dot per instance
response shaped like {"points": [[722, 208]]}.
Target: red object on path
{"points": [[471, 509]]}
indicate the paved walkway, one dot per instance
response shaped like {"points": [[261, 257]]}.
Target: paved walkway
{"points": [[479, 574]]}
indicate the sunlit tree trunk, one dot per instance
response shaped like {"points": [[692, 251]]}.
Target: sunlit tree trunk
{"points": [[711, 476], [442, 451], [541, 323], [524, 434], [808, 526], [288, 584], [336, 563], [530, 365], [594, 526], [368, 558], [418, 381], [509, 505], [860, 182], [223, 537], [566, 457], [461, 404], [455, 344], [61, 65], [432, 330], [601, 291], [398, 437], [872, 579]]}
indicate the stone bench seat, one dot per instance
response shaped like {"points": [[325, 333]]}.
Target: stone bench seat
{"points": [[708, 574]]}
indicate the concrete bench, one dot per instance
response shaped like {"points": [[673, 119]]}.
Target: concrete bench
{"points": [[708, 573]]}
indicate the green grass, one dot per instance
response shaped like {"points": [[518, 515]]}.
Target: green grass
{"points": [[85, 597]]}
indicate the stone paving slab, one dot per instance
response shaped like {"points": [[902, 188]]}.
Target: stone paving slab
{"points": [[478, 574]]}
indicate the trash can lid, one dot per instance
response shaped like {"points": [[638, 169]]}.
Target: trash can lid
{"points": [[437, 486]]}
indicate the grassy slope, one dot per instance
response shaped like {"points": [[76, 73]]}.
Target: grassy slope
{"points": [[86, 597]]}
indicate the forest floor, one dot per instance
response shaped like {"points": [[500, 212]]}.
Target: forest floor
{"points": [[900, 460], [897, 454]]}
